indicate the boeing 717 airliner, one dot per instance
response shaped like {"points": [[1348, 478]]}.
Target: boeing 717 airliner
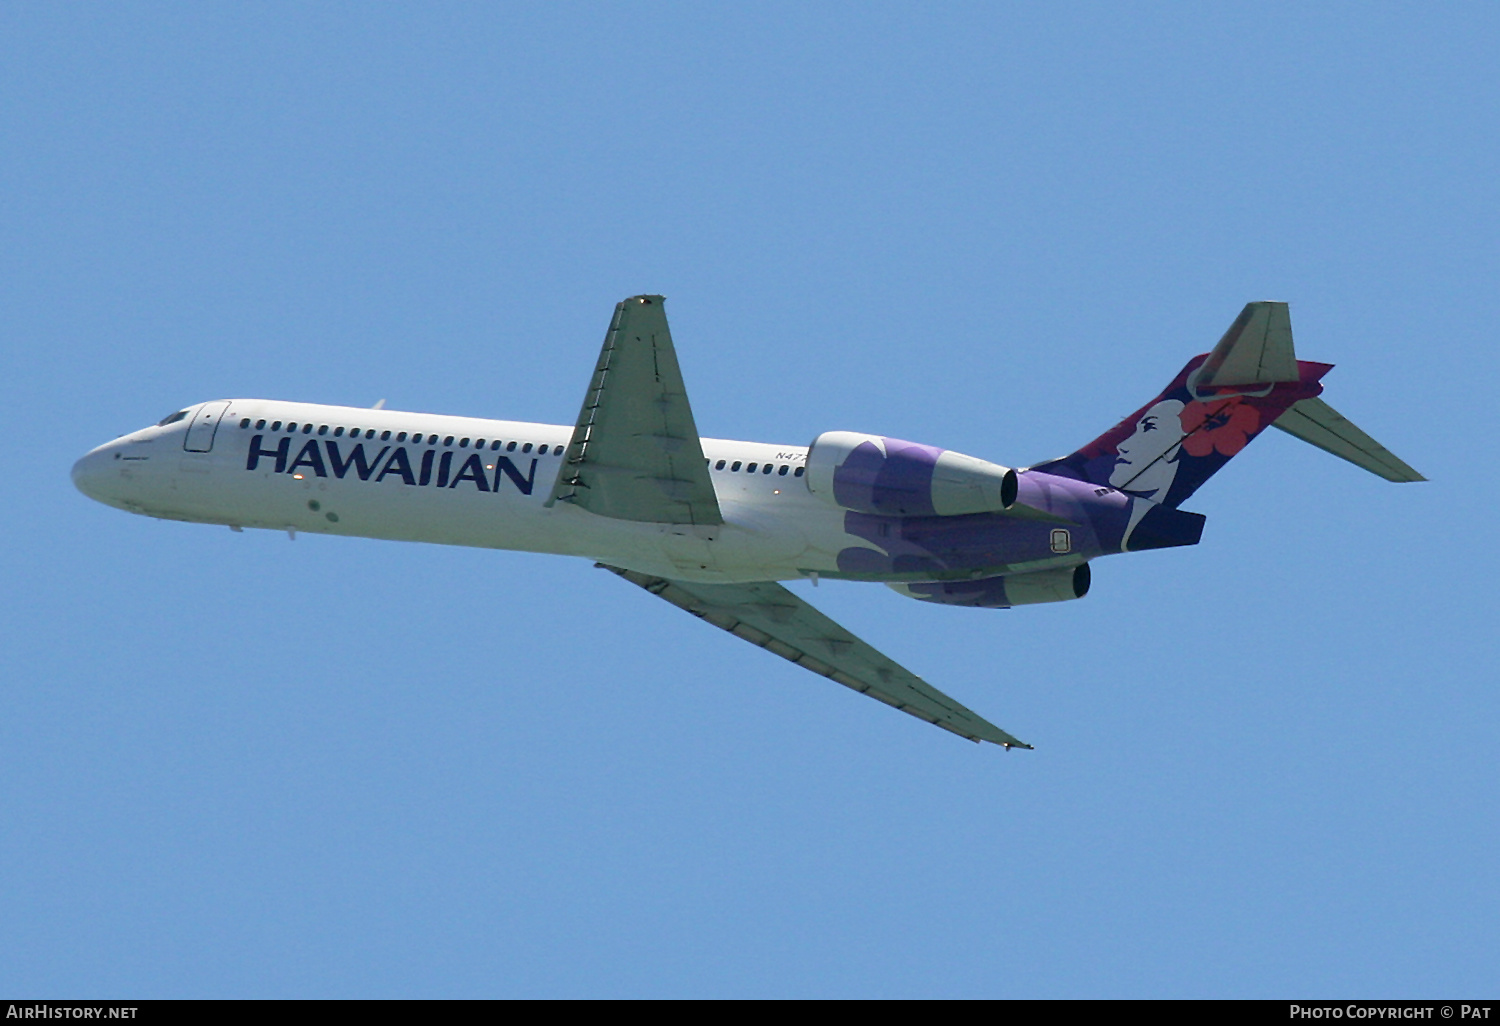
{"points": [[712, 525]]}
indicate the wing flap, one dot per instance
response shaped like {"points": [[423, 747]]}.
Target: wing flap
{"points": [[1317, 423], [635, 452], [771, 617]]}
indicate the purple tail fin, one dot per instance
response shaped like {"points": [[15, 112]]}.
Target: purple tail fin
{"points": [[1170, 446]]}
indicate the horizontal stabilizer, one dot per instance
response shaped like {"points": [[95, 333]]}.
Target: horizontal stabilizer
{"points": [[1256, 350], [768, 615], [1317, 423]]}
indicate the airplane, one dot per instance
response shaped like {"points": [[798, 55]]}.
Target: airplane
{"points": [[711, 525]]}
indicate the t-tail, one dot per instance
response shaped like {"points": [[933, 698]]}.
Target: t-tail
{"points": [[1213, 408]]}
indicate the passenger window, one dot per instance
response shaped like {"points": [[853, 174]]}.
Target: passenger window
{"points": [[750, 468], [401, 436], [479, 443], [338, 432], [767, 469], [307, 429], [463, 443], [734, 466], [322, 429], [370, 433], [291, 427], [495, 445], [245, 423], [719, 465], [448, 440], [276, 426], [385, 436], [260, 425], [781, 472], [799, 472], [511, 447], [526, 447]]}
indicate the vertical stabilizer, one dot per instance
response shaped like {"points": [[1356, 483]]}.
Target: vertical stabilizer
{"points": [[1216, 406], [1212, 409]]}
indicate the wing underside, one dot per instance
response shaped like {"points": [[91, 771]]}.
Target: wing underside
{"points": [[770, 616], [635, 452]]}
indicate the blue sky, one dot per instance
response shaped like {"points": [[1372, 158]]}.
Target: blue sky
{"points": [[231, 765]]}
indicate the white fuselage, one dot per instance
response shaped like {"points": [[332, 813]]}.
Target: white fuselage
{"points": [[425, 477]]}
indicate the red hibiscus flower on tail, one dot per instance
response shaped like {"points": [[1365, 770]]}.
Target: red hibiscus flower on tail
{"points": [[1225, 425]]}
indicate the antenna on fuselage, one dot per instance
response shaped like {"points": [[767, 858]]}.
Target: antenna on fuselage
{"points": [[379, 406]]}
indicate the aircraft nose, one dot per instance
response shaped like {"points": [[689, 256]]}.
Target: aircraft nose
{"points": [[92, 473]]}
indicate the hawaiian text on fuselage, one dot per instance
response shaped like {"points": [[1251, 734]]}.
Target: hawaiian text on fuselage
{"points": [[426, 467]]}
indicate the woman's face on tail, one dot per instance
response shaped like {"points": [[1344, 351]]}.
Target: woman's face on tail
{"points": [[1147, 459]]}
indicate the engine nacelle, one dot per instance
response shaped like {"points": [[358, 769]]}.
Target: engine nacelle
{"points": [[1058, 585], [874, 474]]}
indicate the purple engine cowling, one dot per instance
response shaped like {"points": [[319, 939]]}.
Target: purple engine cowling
{"points": [[892, 477], [1058, 585]]}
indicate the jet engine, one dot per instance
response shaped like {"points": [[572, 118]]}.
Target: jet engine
{"points": [[888, 476], [1002, 592]]}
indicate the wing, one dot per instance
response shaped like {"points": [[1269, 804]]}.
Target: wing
{"points": [[770, 616], [635, 454], [1317, 423]]}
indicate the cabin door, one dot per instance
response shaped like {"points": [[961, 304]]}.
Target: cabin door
{"points": [[200, 436]]}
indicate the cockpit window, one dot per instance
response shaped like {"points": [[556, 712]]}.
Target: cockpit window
{"points": [[172, 418]]}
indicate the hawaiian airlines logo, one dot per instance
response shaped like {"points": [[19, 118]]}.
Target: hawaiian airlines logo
{"points": [[392, 461]]}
